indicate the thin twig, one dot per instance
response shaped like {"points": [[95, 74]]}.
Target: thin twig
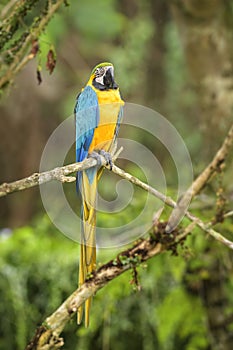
{"points": [[206, 228], [228, 214], [167, 200], [7, 8]]}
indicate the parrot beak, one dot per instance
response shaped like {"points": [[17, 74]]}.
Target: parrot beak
{"points": [[109, 79]]}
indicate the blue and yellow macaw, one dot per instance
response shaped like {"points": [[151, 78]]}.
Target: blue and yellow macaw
{"points": [[98, 112]]}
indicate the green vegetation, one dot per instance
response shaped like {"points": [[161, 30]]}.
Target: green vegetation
{"points": [[39, 270]]}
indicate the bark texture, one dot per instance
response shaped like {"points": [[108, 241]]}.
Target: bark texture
{"points": [[206, 31]]}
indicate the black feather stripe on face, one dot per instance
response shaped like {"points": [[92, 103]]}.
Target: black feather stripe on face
{"points": [[104, 78], [99, 86]]}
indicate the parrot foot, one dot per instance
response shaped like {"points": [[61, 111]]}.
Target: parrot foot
{"points": [[96, 156], [107, 156]]}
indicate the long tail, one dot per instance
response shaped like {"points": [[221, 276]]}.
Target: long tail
{"points": [[87, 263]]}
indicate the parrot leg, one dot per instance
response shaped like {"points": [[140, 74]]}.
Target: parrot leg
{"points": [[97, 155], [107, 156]]}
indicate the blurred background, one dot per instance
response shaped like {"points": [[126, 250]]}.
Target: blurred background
{"points": [[176, 58]]}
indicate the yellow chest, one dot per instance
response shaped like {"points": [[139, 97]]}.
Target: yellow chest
{"points": [[110, 103]]}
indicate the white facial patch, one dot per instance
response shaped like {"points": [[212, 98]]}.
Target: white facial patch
{"points": [[100, 73], [100, 79]]}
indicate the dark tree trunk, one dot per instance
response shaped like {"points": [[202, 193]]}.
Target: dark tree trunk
{"points": [[205, 28], [24, 130], [207, 38], [155, 90]]}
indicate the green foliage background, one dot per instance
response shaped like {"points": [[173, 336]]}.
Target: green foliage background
{"points": [[39, 270]]}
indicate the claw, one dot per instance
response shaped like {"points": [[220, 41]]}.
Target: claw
{"points": [[107, 156], [97, 155]]}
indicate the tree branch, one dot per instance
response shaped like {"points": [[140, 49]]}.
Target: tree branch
{"points": [[171, 203], [7, 8], [61, 173], [36, 29], [214, 166], [47, 335]]}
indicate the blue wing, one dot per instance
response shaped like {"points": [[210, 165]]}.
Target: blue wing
{"points": [[87, 119]]}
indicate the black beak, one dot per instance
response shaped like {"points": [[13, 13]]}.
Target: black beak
{"points": [[109, 81]]}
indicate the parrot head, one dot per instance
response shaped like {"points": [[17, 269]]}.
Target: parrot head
{"points": [[102, 76]]}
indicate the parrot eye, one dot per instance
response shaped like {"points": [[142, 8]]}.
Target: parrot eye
{"points": [[99, 72]]}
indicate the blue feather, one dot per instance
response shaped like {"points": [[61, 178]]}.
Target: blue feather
{"points": [[87, 119]]}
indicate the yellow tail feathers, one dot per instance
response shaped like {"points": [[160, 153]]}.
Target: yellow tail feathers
{"points": [[87, 262]]}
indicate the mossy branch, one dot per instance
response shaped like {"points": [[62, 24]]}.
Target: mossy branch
{"points": [[11, 23], [47, 336], [22, 55]]}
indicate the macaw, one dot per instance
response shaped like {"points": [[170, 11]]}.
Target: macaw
{"points": [[98, 113]]}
